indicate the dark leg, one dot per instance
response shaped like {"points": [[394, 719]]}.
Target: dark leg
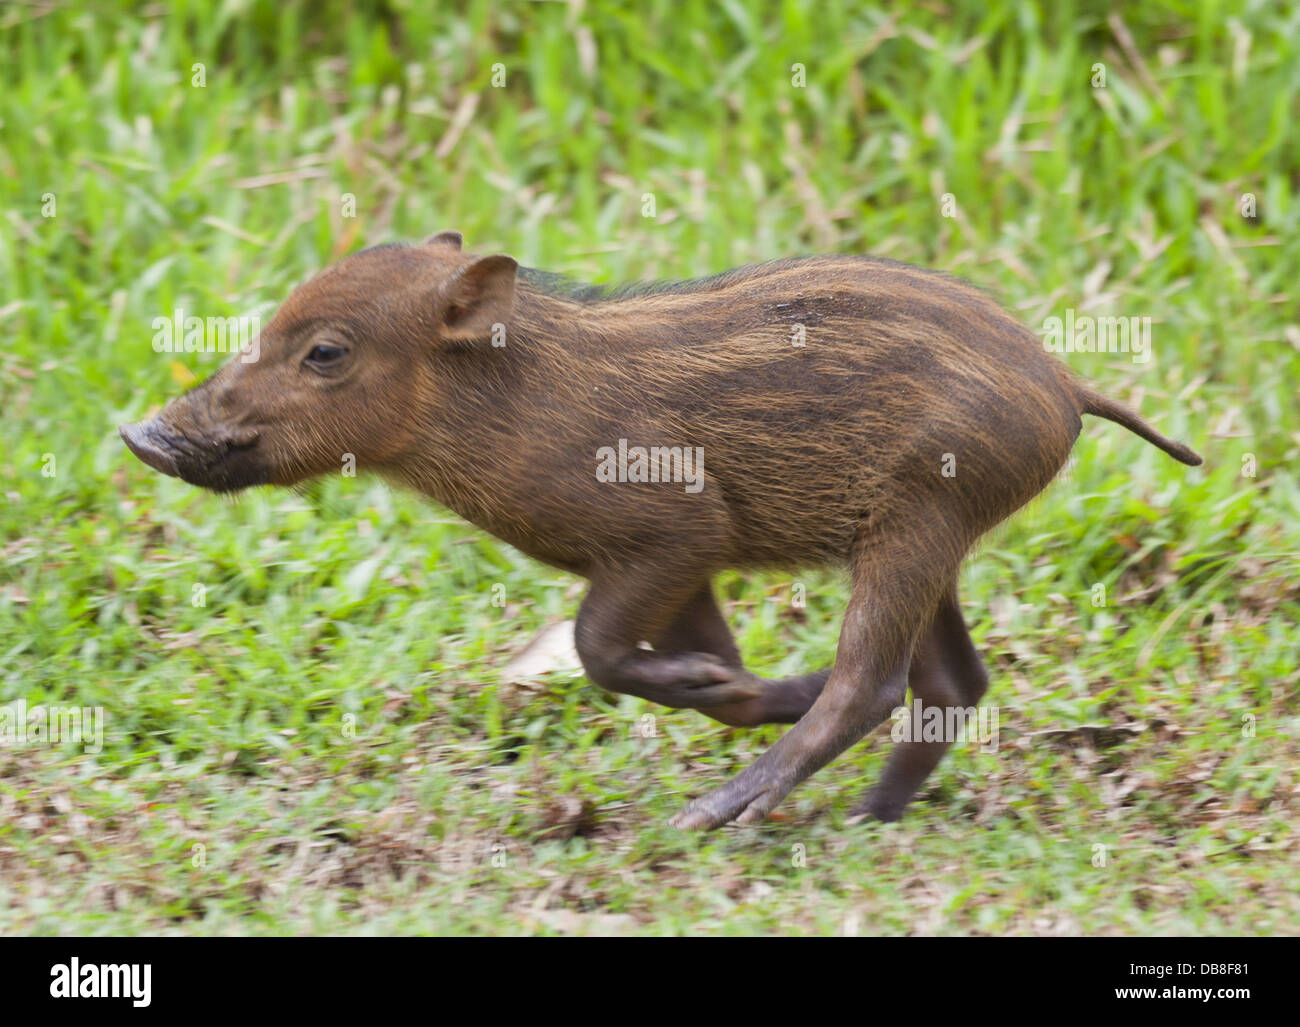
{"points": [[947, 672], [700, 627], [632, 605], [898, 579]]}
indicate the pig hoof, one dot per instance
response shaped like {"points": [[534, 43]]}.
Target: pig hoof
{"points": [[877, 807], [694, 681], [725, 805], [727, 686], [689, 670]]}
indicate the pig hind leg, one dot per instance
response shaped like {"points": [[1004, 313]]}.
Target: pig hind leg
{"points": [[901, 570], [946, 673]]}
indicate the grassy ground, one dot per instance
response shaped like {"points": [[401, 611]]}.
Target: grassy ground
{"points": [[326, 745]]}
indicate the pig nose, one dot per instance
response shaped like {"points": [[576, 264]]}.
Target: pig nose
{"points": [[151, 445]]}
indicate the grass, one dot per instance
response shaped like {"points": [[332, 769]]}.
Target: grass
{"points": [[326, 744]]}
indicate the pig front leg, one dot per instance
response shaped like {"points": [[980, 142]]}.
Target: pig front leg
{"points": [[700, 627], [633, 605]]}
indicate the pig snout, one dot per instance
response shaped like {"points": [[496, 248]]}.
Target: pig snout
{"points": [[221, 460], [148, 444]]}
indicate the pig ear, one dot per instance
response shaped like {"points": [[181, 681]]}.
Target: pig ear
{"points": [[448, 238], [481, 295]]}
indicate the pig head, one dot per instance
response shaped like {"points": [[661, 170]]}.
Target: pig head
{"points": [[344, 371]]}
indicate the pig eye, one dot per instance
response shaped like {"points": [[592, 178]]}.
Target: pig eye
{"points": [[324, 356]]}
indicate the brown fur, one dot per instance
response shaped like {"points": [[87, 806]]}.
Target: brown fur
{"points": [[829, 453]]}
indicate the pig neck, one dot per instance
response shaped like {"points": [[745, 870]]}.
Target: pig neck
{"points": [[494, 406]]}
